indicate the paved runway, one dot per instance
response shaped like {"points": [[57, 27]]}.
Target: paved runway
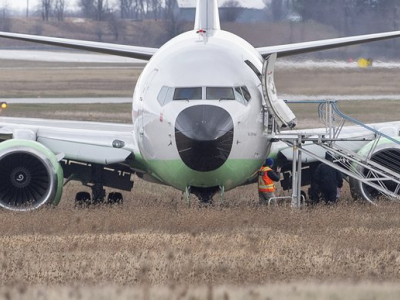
{"points": [[67, 100], [338, 97], [61, 56], [87, 57]]}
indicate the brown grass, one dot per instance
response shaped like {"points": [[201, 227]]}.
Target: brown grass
{"points": [[373, 81], [234, 243], [155, 247], [155, 240], [48, 79], [61, 80]]}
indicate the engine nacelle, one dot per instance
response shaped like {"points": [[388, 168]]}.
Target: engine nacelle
{"points": [[387, 154], [30, 176]]}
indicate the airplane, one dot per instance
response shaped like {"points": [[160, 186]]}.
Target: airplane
{"points": [[199, 117]]}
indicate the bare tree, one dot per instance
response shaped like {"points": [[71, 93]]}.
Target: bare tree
{"points": [[174, 25], [46, 9], [139, 9], [95, 9], [115, 25], [59, 9], [156, 7], [5, 21], [169, 9], [231, 10], [101, 9], [87, 7], [99, 30], [276, 8], [126, 8]]}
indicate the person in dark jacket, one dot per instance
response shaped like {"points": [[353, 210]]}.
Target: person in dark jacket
{"points": [[327, 180], [266, 179]]}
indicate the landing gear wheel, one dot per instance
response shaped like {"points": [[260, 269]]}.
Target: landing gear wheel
{"points": [[206, 200], [82, 199], [115, 198]]}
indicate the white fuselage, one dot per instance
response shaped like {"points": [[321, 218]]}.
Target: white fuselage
{"points": [[205, 63]]}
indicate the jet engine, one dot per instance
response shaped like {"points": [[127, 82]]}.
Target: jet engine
{"points": [[386, 154], [30, 176]]}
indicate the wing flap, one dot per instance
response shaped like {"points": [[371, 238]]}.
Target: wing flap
{"points": [[306, 47], [105, 48]]}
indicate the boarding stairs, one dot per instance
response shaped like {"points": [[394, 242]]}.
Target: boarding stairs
{"points": [[380, 172]]}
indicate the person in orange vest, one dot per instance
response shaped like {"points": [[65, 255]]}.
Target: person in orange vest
{"points": [[266, 179]]}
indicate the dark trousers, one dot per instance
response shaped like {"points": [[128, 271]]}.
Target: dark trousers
{"points": [[329, 195]]}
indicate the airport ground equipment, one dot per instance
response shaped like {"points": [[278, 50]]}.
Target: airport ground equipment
{"points": [[370, 157]]}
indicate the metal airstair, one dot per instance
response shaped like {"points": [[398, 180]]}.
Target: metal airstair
{"points": [[375, 169]]}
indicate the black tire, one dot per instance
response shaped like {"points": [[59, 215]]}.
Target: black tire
{"points": [[115, 198], [82, 199]]}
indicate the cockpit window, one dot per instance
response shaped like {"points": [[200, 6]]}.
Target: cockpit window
{"points": [[246, 93], [192, 93], [162, 95], [167, 94], [220, 93], [239, 95], [242, 94]]}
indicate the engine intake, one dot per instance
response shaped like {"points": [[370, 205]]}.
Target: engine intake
{"points": [[30, 176], [386, 154]]}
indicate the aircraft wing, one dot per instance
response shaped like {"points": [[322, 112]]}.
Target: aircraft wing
{"points": [[89, 142], [105, 48], [305, 47]]}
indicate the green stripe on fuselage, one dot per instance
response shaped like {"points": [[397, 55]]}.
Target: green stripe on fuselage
{"points": [[233, 173]]}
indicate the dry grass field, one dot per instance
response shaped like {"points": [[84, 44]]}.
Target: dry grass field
{"points": [[155, 247]]}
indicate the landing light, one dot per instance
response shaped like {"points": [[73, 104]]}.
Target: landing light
{"points": [[118, 144], [3, 105]]}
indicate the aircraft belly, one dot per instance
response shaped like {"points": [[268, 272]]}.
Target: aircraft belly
{"points": [[233, 173]]}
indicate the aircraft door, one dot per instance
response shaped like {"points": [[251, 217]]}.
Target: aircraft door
{"points": [[276, 107]]}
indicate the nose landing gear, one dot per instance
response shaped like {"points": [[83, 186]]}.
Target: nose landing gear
{"points": [[205, 195]]}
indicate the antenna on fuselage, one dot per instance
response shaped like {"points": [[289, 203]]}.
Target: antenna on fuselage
{"points": [[207, 15]]}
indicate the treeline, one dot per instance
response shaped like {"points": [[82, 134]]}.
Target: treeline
{"points": [[127, 9], [346, 16], [99, 10], [293, 20], [109, 16]]}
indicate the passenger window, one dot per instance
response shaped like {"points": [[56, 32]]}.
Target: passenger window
{"points": [[193, 93], [220, 93]]}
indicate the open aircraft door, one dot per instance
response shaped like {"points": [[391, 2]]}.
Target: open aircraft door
{"points": [[276, 107]]}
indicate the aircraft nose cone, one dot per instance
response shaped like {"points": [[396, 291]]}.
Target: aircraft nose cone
{"points": [[204, 137]]}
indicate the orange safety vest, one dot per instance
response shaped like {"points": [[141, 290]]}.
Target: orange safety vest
{"points": [[265, 184]]}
